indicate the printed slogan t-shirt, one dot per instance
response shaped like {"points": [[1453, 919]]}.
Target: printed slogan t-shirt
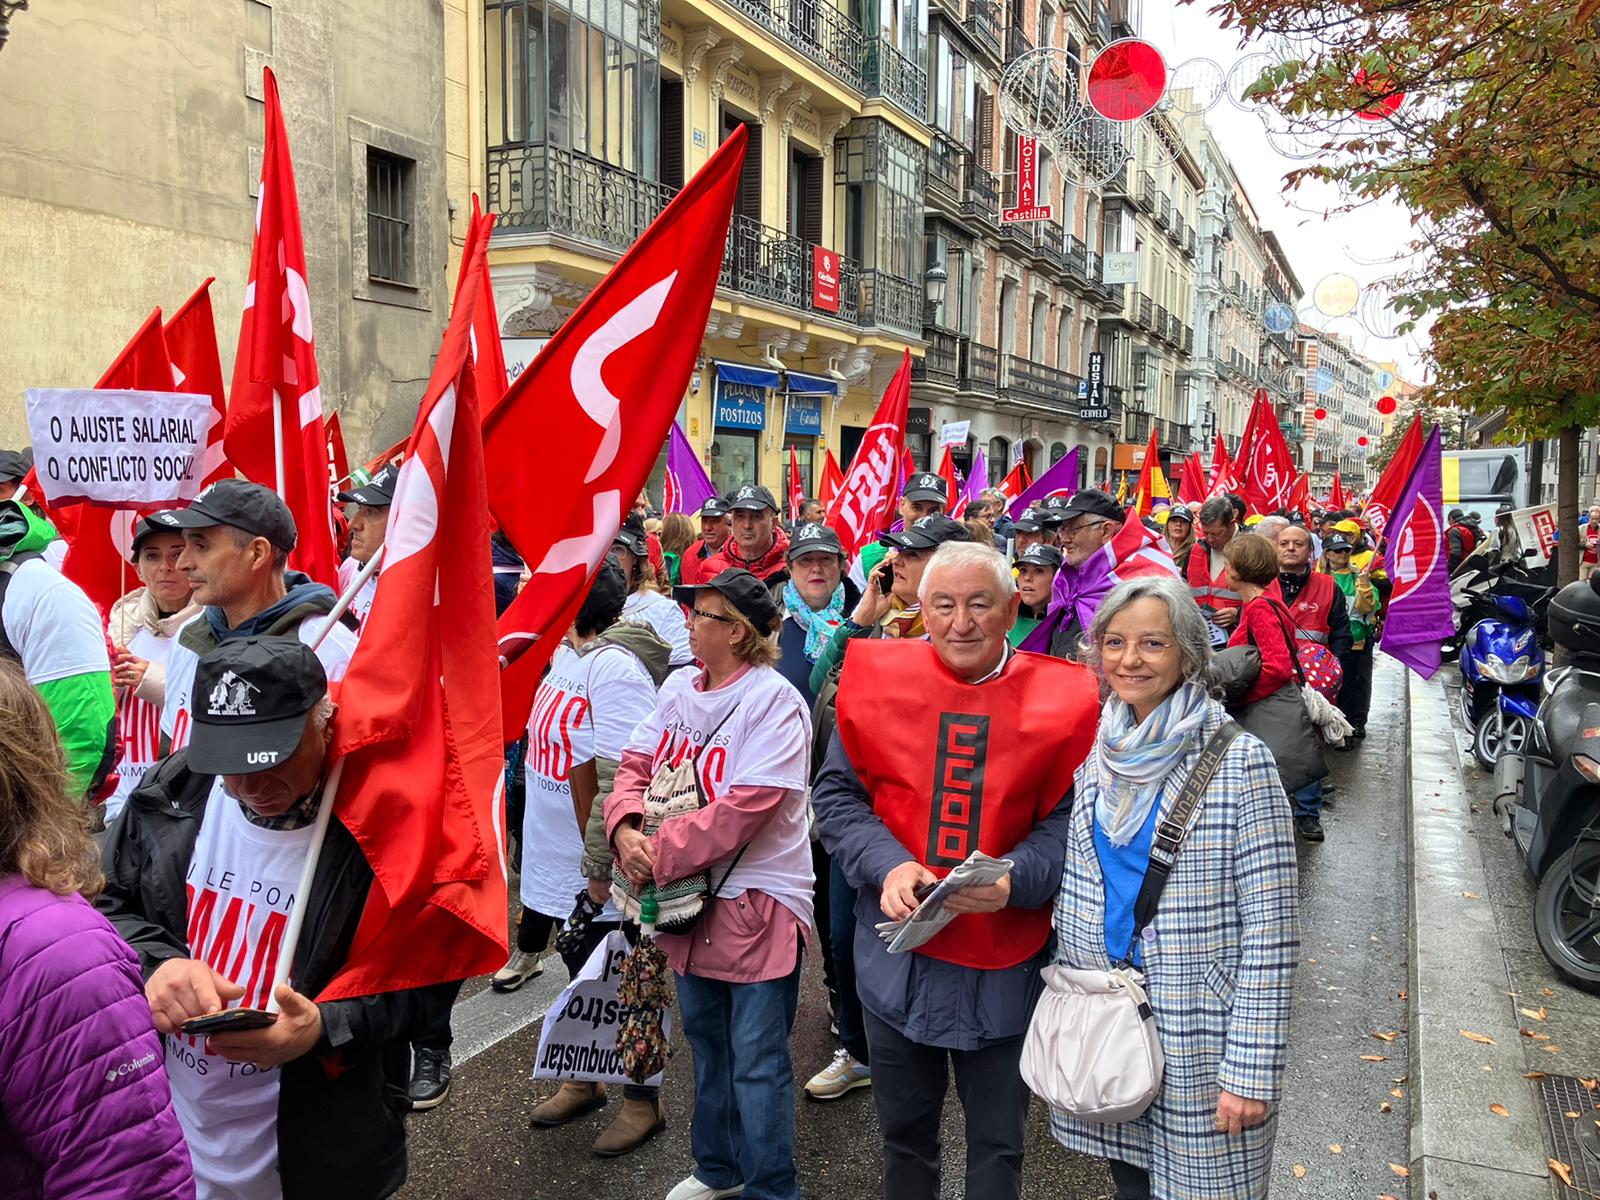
{"points": [[138, 725], [587, 705], [241, 886]]}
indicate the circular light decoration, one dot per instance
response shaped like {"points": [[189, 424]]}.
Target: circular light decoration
{"points": [[1126, 80], [1279, 317], [1195, 86], [1244, 75], [1324, 381], [1361, 441], [1385, 103], [1384, 380], [1321, 414], [1386, 405], [1336, 295]]}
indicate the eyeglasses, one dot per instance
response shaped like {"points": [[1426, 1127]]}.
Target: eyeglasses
{"points": [[711, 616], [1150, 647], [1073, 528]]}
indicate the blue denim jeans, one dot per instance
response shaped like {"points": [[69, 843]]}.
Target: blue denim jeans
{"points": [[743, 1128], [842, 936], [1308, 800]]}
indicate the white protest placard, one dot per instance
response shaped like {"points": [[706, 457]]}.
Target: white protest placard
{"points": [[579, 1039], [118, 447], [954, 433], [1536, 529]]}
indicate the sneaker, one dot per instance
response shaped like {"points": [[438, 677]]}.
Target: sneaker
{"points": [[430, 1078], [692, 1189], [520, 967], [842, 1075], [1309, 828]]}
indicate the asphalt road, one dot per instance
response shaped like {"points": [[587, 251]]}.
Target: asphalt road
{"points": [[1350, 986]]}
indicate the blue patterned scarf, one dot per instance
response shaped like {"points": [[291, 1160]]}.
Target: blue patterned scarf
{"points": [[1133, 759], [819, 623]]}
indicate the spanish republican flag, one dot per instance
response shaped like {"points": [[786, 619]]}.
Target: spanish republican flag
{"points": [[1152, 491]]}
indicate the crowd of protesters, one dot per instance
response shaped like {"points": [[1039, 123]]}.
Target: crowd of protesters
{"points": [[1100, 658]]}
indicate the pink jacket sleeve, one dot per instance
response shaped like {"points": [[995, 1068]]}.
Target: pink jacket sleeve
{"points": [[690, 844]]}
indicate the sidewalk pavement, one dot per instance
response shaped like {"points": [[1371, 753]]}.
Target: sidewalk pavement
{"points": [[1476, 1128]]}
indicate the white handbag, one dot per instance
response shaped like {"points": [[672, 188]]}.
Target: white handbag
{"points": [[1092, 1049]]}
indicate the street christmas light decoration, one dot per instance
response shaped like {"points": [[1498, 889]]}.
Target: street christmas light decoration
{"points": [[1320, 414], [1386, 405], [1126, 80]]}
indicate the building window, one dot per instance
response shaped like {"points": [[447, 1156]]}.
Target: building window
{"points": [[999, 463], [879, 179], [391, 205]]}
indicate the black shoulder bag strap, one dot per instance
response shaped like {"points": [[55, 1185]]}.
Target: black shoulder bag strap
{"points": [[8, 568], [1173, 829]]}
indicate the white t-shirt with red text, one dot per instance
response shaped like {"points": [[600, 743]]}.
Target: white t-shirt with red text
{"points": [[138, 725], [241, 886], [587, 706], [361, 603], [764, 740]]}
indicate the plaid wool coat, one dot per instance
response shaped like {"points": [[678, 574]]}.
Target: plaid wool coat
{"points": [[1218, 972]]}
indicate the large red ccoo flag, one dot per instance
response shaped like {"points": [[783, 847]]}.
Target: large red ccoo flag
{"points": [[575, 437], [276, 367], [419, 711], [1264, 466], [860, 510]]}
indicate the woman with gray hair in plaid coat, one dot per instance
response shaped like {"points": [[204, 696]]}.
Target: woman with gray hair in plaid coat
{"points": [[1220, 954]]}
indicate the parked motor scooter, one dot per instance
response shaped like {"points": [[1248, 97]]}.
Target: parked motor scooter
{"points": [[1548, 798], [1501, 662]]}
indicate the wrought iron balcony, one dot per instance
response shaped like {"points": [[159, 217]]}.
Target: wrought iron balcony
{"points": [[942, 363], [1188, 339], [979, 192], [1051, 245], [890, 303], [945, 157], [890, 74], [1136, 426], [983, 24], [1145, 198], [1018, 236], [776, 267], [1146, 311], [1160, 326], [542, 189], [980, 368], [1113, 406], [1163, 209], [1018, 43], [1295, 434], [816, 29], [1023, 379], [1115, 299]]}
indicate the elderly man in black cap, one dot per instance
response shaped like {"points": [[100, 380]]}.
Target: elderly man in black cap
{"points": [[716, 526], [237, 537], [758, 545], [369, 525], [203, 870]]}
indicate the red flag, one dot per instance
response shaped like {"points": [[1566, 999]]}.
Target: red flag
{"points": [[832, 479], [574, 439], [1222, 477], [1265, 467], [861, 509], [796, 492], [1336, 498], [1300, 496], [338, 461], [99, 538], [1395, 477], [954, 484], [1192, 487], [423, 787], [1014, 484], [191, 337], [276, 366], [488, 355]]}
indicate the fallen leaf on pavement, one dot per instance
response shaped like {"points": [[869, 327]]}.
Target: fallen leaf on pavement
{"points": [[1591, 1084], [1538, 1037], [1386, 1037], [1299, 1171], [1571, 1116], [1561, 1171], [1481, 1038], [1471, 895], [1534, 1075], [1403, 1172], [1335, 1148], [1551, 1049], [1534, 1014], [1397, 1093], [1374, 1058], [1500, 1110], [1547, 991], [1385, 1107]]}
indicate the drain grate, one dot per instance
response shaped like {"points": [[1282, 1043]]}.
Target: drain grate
{"points": [[1574, 1140]]}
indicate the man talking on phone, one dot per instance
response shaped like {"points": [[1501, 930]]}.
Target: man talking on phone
{"points": [[203, 871]]}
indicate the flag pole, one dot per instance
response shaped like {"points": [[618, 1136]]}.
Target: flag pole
{"points": [[277, 442], [347, 597], [297, 914]]}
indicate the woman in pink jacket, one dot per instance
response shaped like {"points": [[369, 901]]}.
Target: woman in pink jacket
{"points": [[84, 1107]]}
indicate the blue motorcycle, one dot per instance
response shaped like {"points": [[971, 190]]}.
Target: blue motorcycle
{"points": [[1501, 664]]}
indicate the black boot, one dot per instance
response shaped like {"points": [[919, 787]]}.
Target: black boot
{"points": [[430, 1078], [1309, 828]]}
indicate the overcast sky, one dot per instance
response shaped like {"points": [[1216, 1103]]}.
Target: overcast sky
{"points": [[1362, 244]]}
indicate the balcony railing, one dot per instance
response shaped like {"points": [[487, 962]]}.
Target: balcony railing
{"points": [[1188, 339], [979, 191], [1163, 209], [1160, 327], [888, 73], [1146, 195], [945, 157], [980, 368], [1146, 311], [776, 267], [1295, 434], [1023, 379], [817, 29], [1051, 245], [1113, 405], [983, 24], [942, 362], [1115, 298], [1136, 426], [1018, 43], [541, 189], [1018, 236], [891, 303]]}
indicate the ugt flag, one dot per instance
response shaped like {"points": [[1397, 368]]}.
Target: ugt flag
{"points": [[687, 486], [861, 508], [1419, 617]]}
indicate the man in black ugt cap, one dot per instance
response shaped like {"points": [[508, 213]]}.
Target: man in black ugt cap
{"points": [[369, 525], [203, 869], [237, 537]]}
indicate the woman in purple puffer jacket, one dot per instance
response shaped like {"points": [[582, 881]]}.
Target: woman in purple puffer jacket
{"points": [[84, 1106]]}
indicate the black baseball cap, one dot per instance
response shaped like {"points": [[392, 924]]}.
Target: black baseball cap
{"points": [[250, 701], [1041, 554], [142, 532], [377, 492], [1337, 541], [742, 590], [632, 537], [15, 465], [927, 532], [925, 485], [1180, 512], [814, 538], [607, 594], [1092, 502], [247, 506], [751, 496], [714, 507], [1031, 521]]}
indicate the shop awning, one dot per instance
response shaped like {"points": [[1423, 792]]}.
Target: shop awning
{"points": [[811, 385], [761, 377]]}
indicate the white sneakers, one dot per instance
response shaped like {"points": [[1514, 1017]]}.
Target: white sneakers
{"points": [[521, 967], [844, 1074], [692, 1189]]}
